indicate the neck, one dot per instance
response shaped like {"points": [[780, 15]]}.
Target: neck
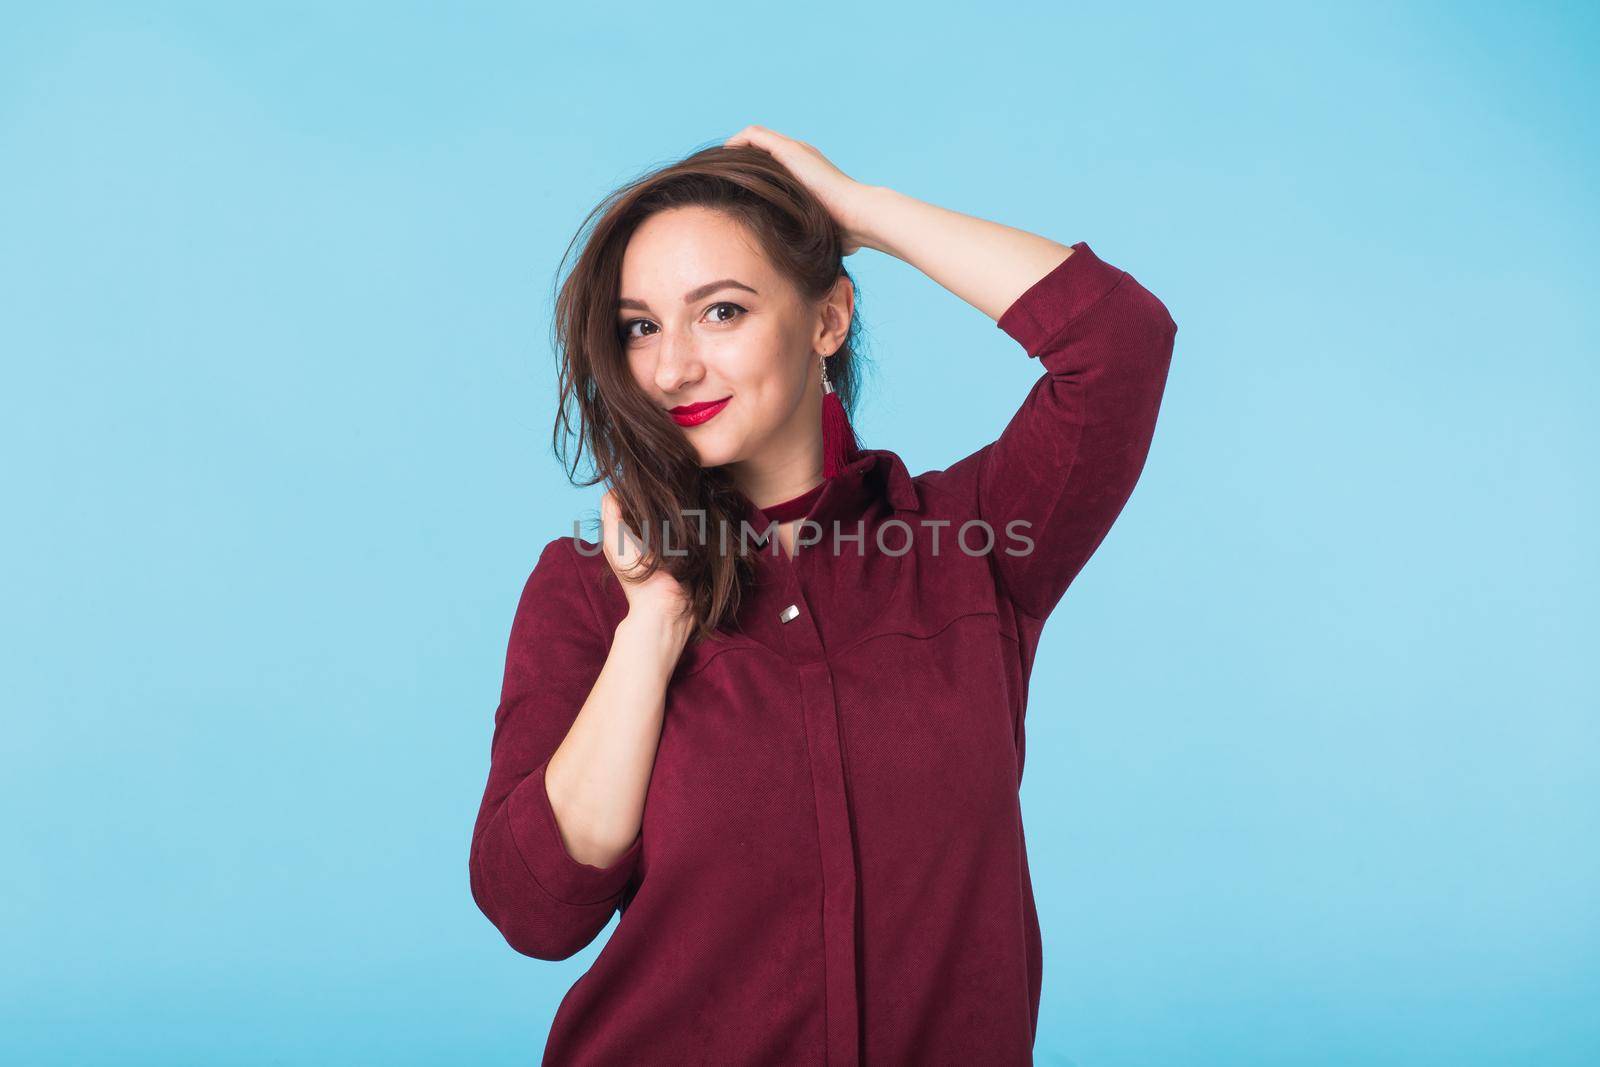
{"points": [[768, 482]]}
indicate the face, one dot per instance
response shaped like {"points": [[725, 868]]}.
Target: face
{"points": [[723, 342]]}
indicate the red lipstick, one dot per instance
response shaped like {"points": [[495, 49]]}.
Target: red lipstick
{"points": [[695, 414]]}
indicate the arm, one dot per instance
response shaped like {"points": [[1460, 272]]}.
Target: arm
{"points": [[1069, 458], [987, 264], [558, 834]]}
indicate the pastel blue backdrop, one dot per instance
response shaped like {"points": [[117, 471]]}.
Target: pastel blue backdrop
{"points": [[1312, 762]]}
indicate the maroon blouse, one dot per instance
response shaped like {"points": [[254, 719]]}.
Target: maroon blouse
{"points": [[793, 508], [831, 867]]}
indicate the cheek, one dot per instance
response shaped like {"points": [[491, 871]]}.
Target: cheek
{"points": [[760, 370], [643, 369], [762, 393]]}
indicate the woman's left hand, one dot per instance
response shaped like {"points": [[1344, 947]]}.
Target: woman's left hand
{"points": [[842, 195]]}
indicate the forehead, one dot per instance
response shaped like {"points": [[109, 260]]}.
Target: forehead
{"points": [[675, 251]]}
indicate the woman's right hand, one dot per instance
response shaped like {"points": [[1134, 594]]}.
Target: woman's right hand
{"points": [[660, 597]]}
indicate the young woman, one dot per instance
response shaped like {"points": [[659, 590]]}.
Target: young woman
{"points": [[793, 765]]}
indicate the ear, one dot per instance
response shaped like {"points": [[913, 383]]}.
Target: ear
{"points": [[833, 318]]}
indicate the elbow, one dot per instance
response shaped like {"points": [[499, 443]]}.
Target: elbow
{"points": [[545, 903], [1153, 315], [545, 940], [531, 921], [1169, 324], [1149, 332]]}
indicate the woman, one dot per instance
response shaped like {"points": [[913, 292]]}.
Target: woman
{"points": [[794, 765]]}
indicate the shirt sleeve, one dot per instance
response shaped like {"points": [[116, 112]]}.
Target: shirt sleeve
{"points": [[545, 903], [1067, 461]]}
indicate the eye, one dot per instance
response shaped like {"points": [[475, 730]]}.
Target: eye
{"points": [[726, 304], [626, 331], [627, 336]]}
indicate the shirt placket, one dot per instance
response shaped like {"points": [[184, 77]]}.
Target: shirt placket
{"points": [[825, 749]]}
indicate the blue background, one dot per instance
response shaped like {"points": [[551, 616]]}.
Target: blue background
{"points": [[1312, 761]]}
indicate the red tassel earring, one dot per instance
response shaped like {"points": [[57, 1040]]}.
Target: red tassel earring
{"points": [[839, 444]]}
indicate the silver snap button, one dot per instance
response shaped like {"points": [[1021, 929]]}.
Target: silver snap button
{"points": [[788, 613]]}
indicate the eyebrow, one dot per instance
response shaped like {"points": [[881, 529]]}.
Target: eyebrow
{"points": [[691, 296]]}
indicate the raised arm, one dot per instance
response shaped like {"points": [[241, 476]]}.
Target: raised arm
{"points": [[1057, 477], [987, 264], [558, 833]]}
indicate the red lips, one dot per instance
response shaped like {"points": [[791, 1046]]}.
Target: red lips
{"points": [[695, 414]]}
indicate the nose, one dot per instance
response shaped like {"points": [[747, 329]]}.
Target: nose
{"points": [[678, 364]]}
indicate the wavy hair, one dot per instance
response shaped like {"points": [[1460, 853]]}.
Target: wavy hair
{"points": [[653, 471]]}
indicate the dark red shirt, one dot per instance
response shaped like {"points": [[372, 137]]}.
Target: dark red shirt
{"points": [[832, 868], [795, 507]]}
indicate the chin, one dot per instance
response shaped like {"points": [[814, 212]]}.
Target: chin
{"points": [[715, 453]]}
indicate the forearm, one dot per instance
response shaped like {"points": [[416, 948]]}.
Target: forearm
{"points": [[598, 776], [987, 264]]}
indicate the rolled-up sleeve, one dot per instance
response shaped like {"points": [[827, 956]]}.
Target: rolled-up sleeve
{"points": [[1067, 461], [546, 903]]}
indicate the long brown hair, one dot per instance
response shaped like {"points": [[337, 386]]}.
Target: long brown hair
{"points": [[652, 469]]}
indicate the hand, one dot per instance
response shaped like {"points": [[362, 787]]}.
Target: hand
{"points": [[843, 196], [659, 596]]}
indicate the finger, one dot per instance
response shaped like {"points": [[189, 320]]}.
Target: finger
{"points": [[611, 525], [623, 546], [762, 137], [610, 512]]}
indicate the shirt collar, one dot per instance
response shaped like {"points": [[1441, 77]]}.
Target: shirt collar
{"points": [[876, 474], [887, 472]]}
